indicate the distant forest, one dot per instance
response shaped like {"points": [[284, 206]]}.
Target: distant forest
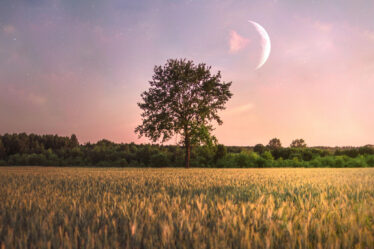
{"points": [[53, 150]]}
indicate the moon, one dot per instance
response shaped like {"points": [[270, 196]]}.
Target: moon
{"points": [[265, 43]]}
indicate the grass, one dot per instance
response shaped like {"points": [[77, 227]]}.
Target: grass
{"points": [[178, 208]]}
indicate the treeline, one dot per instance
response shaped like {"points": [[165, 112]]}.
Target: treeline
{"points": [[53, 150]]}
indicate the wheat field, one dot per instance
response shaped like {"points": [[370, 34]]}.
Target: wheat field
{"points": [[179, 208]]}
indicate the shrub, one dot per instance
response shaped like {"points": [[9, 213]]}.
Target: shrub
{"points": [[36, 159], [267, 156], [370, 160], [339, 162], [123, 162], [159, 160], [261, 162]]}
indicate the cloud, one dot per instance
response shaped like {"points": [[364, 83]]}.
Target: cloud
{"points": [[25, 96], [369, 34], [36, 99], [9, 29], [322, 26], [241, 109], [237, 42]]}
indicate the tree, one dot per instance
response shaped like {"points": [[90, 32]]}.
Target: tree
{"points": [[2, 150], [298, 143], [366, 150], [221, 152], [267, 156], [73, 141], [183, 99], [259, 148], [274, 143]]}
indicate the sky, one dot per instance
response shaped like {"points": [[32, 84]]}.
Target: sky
{"points": [[79, 66]]}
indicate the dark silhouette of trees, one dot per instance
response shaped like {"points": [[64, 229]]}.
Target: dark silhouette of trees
{"points": [[221, 152], [274, 143], [259, 148], [183, 99], [298, 143], [2, 149], [73, 141], [53, 150]]}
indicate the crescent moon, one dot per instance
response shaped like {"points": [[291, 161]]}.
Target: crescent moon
{"points": [[265, 43]]}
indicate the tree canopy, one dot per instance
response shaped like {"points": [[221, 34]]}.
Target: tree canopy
{"points": [[52, 150], [259, 148], [274, 143], [183, 99], [298, 143]]}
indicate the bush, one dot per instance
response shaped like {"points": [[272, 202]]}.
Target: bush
{"points": [[267, 156], [227, 162], [17, 159], [159, 160], [52, 150], [242, 160], [339, 162], [370, 160], [246, 160], [307, 155], [221, 152], [259, 148], [122, 162], [36, 159], [104, 164], [357, 162], [261, 162]]}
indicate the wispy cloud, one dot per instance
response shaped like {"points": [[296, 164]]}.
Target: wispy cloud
{"points": [[241, 109], [322, 26], [8, 29], [369, 34], [26, 96], [237, 42], [36, 99]]}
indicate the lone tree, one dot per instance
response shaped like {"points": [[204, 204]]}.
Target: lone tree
{"points": [[183, 99]]}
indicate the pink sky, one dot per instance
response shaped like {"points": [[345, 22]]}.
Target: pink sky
{"points": [[68, 67]]}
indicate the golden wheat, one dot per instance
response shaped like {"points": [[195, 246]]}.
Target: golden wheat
{"points": [[178, 208]]}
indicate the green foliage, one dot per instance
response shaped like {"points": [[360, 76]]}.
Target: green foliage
{"points": [[2, 150], [159, 159], [51, 150], [73, 141], [370, 160], [267, 156], [122, 162], [366, 150], [239, 160], [183, 99], [259, 148], [274, 143], [220, 153], [298, 143]]}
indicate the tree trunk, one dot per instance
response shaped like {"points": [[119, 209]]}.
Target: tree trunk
{"points": [[187, 145], [187, 158]]}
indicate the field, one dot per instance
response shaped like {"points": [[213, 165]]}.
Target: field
{"points": [[178, 208]]}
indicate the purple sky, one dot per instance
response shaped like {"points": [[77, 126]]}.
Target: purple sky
{"points": [[69, 66]]}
